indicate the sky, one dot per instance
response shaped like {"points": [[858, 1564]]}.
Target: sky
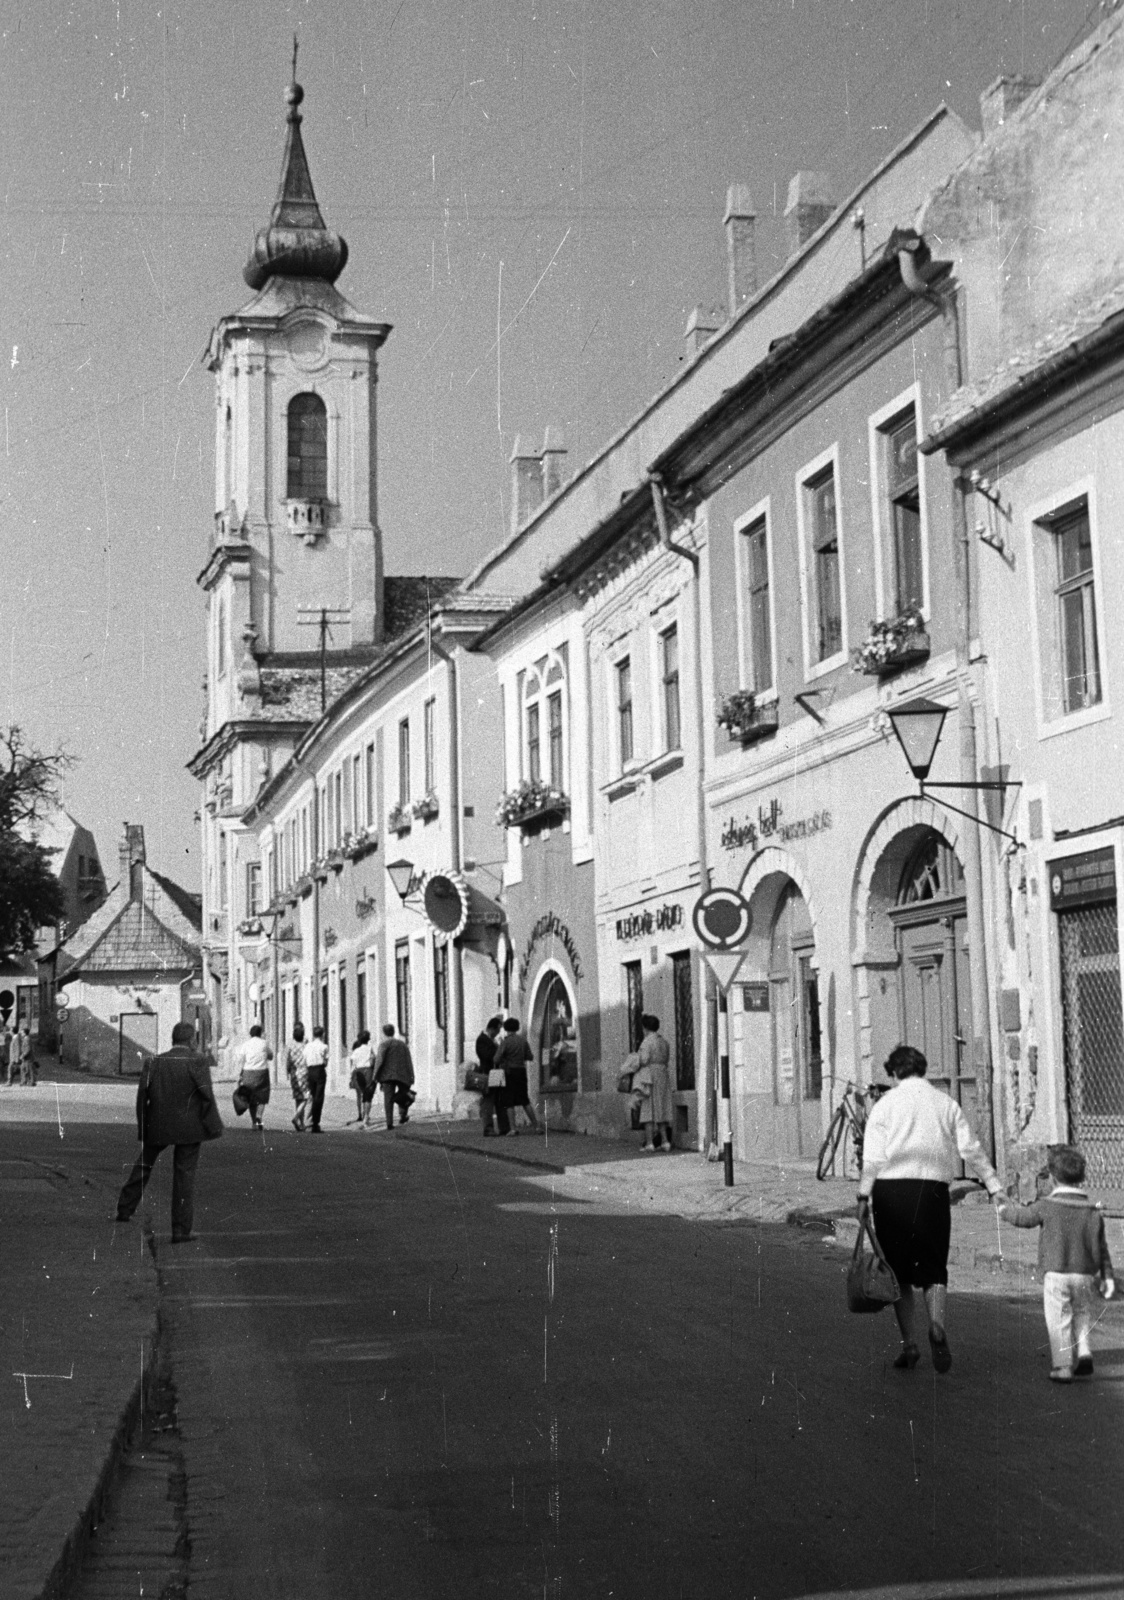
{"points": [[532, 193]]}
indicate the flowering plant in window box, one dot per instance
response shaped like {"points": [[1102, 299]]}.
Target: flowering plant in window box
{"points": [[898, 642], [744, 716], [427, 807], [400, 819], [362, 842], [532, 801]]}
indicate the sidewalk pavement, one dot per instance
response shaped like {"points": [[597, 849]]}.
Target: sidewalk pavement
{"points": [[77, 1329]]}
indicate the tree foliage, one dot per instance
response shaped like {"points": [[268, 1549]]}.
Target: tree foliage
{"points": [[30, 895]]}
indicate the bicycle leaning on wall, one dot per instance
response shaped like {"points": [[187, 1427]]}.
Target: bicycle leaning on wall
{"points": [[844, 1136]]}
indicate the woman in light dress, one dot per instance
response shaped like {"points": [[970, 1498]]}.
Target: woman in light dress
{"points": [[653, 1081]]}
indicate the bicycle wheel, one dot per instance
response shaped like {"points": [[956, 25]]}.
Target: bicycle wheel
{"points": [[832, 1138]]}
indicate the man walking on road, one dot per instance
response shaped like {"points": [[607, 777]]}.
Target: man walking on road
{"points": [[176, 1106], [394, 1069], [316, 1060]]}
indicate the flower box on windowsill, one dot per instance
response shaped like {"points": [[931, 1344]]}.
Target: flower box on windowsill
{"points": [[747, 718], [400, 819], [532, 807], [362, 843], [427, 807], [892, 646]]}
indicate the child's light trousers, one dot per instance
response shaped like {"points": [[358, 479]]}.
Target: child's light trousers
{"points": [[1069, 1300]]}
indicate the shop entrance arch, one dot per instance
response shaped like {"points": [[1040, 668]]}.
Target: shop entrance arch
{"points": [[554, 1034], [794, 1005]]}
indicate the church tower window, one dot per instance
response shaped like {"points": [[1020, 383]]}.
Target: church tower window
{"points": [[308, 448]]}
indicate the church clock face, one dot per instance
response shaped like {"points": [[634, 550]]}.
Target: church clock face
{"points": [[307, 344]]}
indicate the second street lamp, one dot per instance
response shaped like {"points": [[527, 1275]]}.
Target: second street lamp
{"points": [[917, 725]]}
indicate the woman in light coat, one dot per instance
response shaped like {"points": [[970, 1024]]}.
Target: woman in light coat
{"points": [[657, 1112]]}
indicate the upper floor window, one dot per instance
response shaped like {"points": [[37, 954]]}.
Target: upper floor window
{"points": [[308, 448], [404, 761], [221, 656], [669, 676], [544, 722], [624, 710], [370, 785], [1076, 617], [822, 514], [758, 604], [903, 505], [430, 730]]}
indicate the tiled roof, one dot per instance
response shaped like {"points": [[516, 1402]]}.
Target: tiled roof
{"points": [[292, 694], [159, 931]]}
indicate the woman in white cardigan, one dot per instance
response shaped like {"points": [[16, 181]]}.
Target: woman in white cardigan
{"points": [[914, 1141]]}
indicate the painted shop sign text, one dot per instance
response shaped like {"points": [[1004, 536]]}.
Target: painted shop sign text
{"points": [[549, 926], [642, 923], [768, 825]]}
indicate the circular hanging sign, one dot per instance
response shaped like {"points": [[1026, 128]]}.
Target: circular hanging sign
{"points": [[722, 918], [446, 902]]}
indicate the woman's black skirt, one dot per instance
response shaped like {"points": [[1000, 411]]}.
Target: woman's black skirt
{"points": [[913, 1220], [255, 1086]]}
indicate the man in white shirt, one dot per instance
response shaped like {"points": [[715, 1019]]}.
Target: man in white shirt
{"points": [[316, 1060]]}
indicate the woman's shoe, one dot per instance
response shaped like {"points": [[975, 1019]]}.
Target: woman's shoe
{"points": [[1084, 1367], [298, 1124], [910, 1356], [942, 1355], [1061, 1375]]}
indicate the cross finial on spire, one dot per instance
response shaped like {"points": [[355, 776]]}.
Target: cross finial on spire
{"points": [[295, 48]]}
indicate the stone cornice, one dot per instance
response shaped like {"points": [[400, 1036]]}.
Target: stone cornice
{"points": [[232, 733], [221, 557]]}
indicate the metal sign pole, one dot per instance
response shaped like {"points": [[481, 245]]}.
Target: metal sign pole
{"points": [[725, 1121]]}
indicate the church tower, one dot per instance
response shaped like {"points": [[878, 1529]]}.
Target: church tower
{"points": [[294, 580]]}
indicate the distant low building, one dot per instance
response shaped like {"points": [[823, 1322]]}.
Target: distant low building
{"points": [[120, 982]]}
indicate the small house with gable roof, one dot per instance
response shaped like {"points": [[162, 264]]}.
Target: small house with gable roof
{"points": [[124, 978]]}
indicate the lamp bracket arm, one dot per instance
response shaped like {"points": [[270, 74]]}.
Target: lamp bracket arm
{"points": [[980, 821]]}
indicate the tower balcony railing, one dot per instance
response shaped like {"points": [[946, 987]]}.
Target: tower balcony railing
{"points": [[307, 519]]}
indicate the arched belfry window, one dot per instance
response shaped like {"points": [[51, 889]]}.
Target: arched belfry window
{"points": [[308, 448]]}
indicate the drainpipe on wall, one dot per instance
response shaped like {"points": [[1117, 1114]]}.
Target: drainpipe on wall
{"points": [[705, 1109], [457, 821], [989, 1086]]}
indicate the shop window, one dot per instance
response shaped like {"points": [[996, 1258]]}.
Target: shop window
{"points": [[757, 612], [623, 673], [360, 997], [558, 1042], [402, 986], [1094, 1037], [308, 448], [794, 1003], [669, 672], [634, 1002], [441, 999], [682, 989]]}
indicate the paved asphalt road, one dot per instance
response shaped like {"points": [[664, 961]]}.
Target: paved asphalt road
{"points": [[407, 1375]]}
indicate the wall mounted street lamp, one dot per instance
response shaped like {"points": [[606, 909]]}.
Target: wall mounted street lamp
{"points": [[917, 725], [405, 880]]}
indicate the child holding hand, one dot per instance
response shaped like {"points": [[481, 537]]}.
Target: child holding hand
{"points": [[1073, 1259]]}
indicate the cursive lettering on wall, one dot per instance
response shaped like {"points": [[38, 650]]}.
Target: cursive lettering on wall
{"points": [[642, 923], [549, 925], [767, 824]]}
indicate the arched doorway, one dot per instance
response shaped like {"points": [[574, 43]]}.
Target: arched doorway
{"points": [[554, 1036], [794, 1005], [930, 926]]}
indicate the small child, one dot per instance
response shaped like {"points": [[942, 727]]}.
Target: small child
{"points": [[1073, 1259]]}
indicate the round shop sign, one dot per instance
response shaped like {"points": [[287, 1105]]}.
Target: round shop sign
{"points": [[722, 918], [446, 902]]}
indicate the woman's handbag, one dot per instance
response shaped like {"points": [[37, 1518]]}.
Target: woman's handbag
{"points": [[239, 1102], [624, 1083], [871, 1284], [497, 1078], [476, 1080]]}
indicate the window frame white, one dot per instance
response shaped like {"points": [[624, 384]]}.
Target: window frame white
{"points": [[1042, 591], [878, 430], [761, 512], [540, 669], [811, 470]]}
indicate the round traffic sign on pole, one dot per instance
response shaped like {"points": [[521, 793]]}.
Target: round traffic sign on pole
{"points": [[722, 918]]}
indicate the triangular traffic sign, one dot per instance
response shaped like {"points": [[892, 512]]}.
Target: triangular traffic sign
{"points": [[725, 965]]}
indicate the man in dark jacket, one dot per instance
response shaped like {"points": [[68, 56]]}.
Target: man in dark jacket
{"points": [[492, 1112], [176, 1106], [394, 1069]]}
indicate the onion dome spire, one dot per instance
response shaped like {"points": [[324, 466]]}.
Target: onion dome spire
{"points": [[297, 243]]}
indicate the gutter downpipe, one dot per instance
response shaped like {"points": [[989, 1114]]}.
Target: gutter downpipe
{"points": [[989, 1088], [457, 820], [705, 1107]]}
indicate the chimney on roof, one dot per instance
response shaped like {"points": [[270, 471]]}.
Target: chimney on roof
{"points": [[1001, 98], [526, 483], [741, 251], [553, 461], [130, 855], [810, 203], [701, 327]]}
